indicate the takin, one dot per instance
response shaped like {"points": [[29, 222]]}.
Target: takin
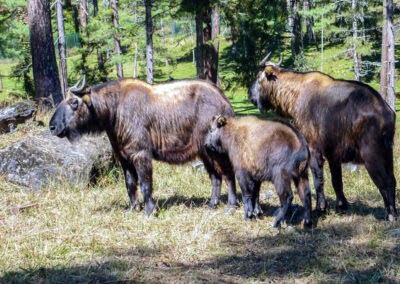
{"points": [[165, 122], [263, 150], [343, 121]]}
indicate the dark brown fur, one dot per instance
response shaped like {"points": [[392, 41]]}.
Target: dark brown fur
{"points": [[166, 122], [263, 150], [342, 121]]}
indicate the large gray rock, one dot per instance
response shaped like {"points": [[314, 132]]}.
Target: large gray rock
{"points": [[44, 159], [15, 114]]}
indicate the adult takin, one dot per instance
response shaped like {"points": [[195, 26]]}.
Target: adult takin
{"points": [[263, 150], [166, 122], [342, 121]]}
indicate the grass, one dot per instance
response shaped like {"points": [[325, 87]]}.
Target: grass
{"points": [[84, 234]]}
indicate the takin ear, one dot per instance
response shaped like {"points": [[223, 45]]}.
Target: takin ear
{"points": [[269, 71], [221, 121], [88, 101]]}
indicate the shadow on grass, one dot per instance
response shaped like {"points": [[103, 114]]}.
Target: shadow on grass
{"points": [[324, 254]]}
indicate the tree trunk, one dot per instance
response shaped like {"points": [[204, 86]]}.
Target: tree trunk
{"points": [[83, 20], [83, 14], [384, 54], [163, 42], [208, 50], [135, 61], [1, 84], [216, 21], [199, 44], [95, 8], [44, 63], [391, 91], [355, 36], [309, 37], [294, 20], [149, 42], [62, 49], [117, 42]]}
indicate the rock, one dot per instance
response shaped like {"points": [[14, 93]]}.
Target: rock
{"points": [[44, 159], [15, 114]]}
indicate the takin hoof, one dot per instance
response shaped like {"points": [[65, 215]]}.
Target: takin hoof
{"points": [[230, 210], [341, 206], [212, 204], [134, 207], [307, 224], [149, 208], [391, 217]]}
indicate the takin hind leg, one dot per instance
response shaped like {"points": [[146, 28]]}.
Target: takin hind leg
{"points": [[282, 186], [131, 179], [336, 174], [379, 164], [144, 168], [317, 169], [304, 192]]}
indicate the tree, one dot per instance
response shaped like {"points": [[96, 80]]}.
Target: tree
{"points": [[387, 58], [44, 63], [149, 42], [62, 48], [117, 42]]}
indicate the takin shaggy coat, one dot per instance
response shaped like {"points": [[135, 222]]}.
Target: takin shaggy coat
{"points": [[342, 121], [264, 150], [166, 122]]}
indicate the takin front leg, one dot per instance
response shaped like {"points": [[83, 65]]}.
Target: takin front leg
{"points": [[231, 184], [317, 169], [336, 174], [131, 180], [256, 200], [304, 192], [144, 169], [380, 168], [247, 186]]}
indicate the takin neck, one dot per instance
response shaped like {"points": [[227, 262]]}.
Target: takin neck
{"points": [[283, 92]]}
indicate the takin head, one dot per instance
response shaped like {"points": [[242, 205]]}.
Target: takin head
{"points": [[267, 75], [73, 116], [213, 136]]}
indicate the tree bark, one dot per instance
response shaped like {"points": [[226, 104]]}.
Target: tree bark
{"points": [[149, 42], [62, 48], [1, 84], [199, 44], [163, 42], [355, 37], [294, 21], [95, 8], [83, 14], [208, 50], [44, 63], [216, 21], [391, 90], [117, 42], [384, 54]]}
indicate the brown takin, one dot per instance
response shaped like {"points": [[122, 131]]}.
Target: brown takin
{"points": [[342, 121], [166, 122], [263, 150]]}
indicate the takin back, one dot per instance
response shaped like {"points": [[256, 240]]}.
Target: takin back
{"points": [[166, 122], [264, 150], [342, 121]]}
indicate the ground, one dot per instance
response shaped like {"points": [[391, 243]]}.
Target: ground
{"points": [[85, 234]]}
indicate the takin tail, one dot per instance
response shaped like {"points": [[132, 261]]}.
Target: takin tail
{"points": [[301, 158]]}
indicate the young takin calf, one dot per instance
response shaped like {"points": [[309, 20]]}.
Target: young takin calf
{"points": [[165, 122], [263, 150]]}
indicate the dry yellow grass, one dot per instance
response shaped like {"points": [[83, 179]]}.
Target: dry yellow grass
{"points": [[78, 235]]}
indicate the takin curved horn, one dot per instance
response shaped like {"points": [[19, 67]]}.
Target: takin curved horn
{"points": [[265, 59], [280, 60], [75, 89]]}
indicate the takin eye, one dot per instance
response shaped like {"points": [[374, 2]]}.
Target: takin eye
{"points": [[74, 104]]}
